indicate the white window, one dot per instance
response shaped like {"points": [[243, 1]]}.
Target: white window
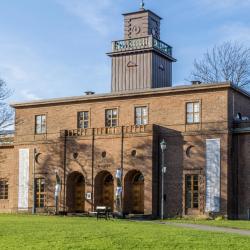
{"points": [[193, 112], [141, 115], [40, 124], [111, 118], [83, 119]]}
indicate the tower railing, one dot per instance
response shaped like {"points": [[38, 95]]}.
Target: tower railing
{"points": [[147, 42]]}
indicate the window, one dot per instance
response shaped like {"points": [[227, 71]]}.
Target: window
{"points": [[40, 124], [192, 191], [4, 186], [193, 112], [83, 119], [40, 192], [111, 118], [141, 115]]}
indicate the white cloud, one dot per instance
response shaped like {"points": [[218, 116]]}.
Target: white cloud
{"points": [[223, 4], [28, 95], [96, 14], [13, 71], [235, 32]]}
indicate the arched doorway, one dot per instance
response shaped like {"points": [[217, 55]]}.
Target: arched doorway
{"points": [[134, 193], [75, 193], [104, 190]]}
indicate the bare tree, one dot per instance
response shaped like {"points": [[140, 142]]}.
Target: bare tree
{"points": [[6, 113], [229, 61]]}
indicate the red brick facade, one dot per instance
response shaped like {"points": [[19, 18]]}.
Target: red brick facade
{"points": [[87, 159]]}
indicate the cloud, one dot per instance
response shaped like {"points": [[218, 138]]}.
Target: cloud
{"points": [[28, 95], [239, 32], [95, 14], [13, 71], [224, 4]]}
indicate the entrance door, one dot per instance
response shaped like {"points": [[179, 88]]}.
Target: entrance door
{"points": [[108, 192], [76, 193], [79, 197], [138, 197], [138, 193], [104, 190], [134, 193]]}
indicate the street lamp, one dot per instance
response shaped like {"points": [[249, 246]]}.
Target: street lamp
{"points": [[163, 145]]}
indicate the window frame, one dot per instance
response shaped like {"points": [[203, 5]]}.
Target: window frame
{"points": [[141, 117], [78, 121], [4, 189], [112, 119], [192, 192], [193, 112], [45, 125], [40, 195]]}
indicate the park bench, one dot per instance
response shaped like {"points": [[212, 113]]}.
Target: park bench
{"points": [[103, 212]]}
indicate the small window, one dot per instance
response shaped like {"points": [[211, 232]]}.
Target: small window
{"points": [[40, 121], [83, 119], [4, 187], [193, 112], [141, 115], [40, 192], [192, 191], [111, 118]]}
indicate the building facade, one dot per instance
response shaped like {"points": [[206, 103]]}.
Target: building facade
{"points": [[104, 150]]}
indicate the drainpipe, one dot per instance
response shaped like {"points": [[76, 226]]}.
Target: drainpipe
{"points": [[64, 172]]}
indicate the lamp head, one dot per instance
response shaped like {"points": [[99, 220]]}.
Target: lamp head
{"points": [[163, 145]]}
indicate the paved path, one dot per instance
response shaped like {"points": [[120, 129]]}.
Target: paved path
{"points": [[201, 227], [209, 228]]}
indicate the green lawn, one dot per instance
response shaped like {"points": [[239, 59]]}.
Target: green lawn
{"points": [[41, 232], [219, 223]]}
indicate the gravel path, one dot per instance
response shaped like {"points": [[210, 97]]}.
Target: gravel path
{"points": [[209, 228]]}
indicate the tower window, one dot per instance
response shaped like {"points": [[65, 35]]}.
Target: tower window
{"points": [[40, 192], [192, 191], [83, 119], [40, 124], [193, 112], [111, 118], [4, 186], [141, 115]]}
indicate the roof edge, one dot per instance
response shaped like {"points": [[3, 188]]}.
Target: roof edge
{"points": [[133, 93], [141, 11]]}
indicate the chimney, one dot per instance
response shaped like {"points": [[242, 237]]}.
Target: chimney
{"points": [[196, 82], [89, 92]]}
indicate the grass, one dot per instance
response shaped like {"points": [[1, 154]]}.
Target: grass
{"points": [[218, 223], [48, 232]]}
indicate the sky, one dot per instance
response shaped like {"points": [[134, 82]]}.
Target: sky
{"points": [[57, 48]]}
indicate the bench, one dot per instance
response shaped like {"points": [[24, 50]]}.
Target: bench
{"points": [[103, 212]]}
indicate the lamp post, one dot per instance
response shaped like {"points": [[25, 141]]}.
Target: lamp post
{"points": [[163, 170]]}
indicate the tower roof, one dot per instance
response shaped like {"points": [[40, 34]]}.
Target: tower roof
{"points": [[141, 11]]}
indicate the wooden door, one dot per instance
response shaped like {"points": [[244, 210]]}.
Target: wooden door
{"points": [[80, 198], [108, 195], [138, 197]]}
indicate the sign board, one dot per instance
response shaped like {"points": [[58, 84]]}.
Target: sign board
{"points": [[213, 175], [88, 196], [23, 186]]}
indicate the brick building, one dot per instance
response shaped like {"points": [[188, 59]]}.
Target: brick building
{"points": [[86, 143]]}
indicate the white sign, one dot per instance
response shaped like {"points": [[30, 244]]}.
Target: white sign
{"points": [[88, 196], [23, 186], [213, 175]]}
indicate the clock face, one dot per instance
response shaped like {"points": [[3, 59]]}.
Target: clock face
{"points": [[153, 31], [136, 29]]}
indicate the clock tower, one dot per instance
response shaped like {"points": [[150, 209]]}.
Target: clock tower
{"points": [[141, 60]]}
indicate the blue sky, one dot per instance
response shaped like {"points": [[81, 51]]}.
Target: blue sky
{"points": [[56, 48]]}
